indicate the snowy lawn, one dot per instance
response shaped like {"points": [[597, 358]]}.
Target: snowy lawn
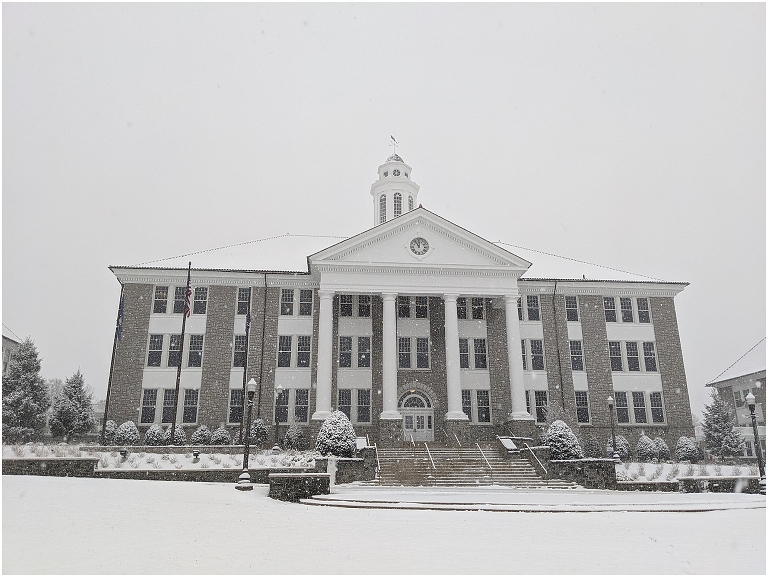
{"points": [[665, 472], [77, 525]]}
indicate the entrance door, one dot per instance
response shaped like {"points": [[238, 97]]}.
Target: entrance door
{"points": [[418, 417]]}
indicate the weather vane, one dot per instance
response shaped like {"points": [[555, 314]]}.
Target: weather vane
{"points": [[394, 145]]}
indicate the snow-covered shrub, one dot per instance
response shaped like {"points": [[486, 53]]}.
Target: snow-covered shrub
{"points": [[155, 436], [294, 437], [686, 450], [563, 444], [336, 436], [179, 436], [662, 449], [221, 436], [622, 447], [109, 432], [645, 450], [259, 433], [127, 434], [202, 436], [592, 448]]}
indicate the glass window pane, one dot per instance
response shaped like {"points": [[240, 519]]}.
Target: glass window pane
{"points": [[483, 407], [364, 305], [533, 307], [286, 302], [201, 301], [363, 352], [345, 305], [345, 352]]}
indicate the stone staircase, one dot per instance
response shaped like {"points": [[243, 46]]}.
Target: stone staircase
{"points": [[458, 467]]}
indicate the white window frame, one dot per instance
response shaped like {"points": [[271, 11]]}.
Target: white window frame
{"points": [[414, 354], [472, 354], [241, 301], [632, 407], [294, 352], [580, 356], [144, 404], [620, 309], [574, 309], [527, 355], [356, 302], [354, 352], [532, 404], [242, 405], [354, 406], [583, 406], [199, 304], [475, 406], [295, 301], [414, 301], [641, 357], [291, 407]]}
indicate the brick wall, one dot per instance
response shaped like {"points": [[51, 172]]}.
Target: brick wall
{"points": [[377, 340], [498, 364], [597, 363], [264, 370], [130, 354], [217, 356], [557, 353]]}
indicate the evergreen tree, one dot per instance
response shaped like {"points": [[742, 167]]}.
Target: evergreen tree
{"points": [[127, 434], [662, 449], [721, 437], [25, 396], [72, 409], [202, 436], [336, 436], [109, 432], [259, 434], [592, 448], [646, 450], [556, 413], [563, 444], [294, 437], [687, 450], [622, 447]]}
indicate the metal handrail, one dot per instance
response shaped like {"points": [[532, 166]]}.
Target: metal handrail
{"points": [[486, 460], [412, 443], [367, 441], [430, 457], [457, 440], [378, 463], [543, 468], [447, 438]]}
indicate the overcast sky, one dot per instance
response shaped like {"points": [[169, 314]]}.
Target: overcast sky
{"points": [[632, 136]]}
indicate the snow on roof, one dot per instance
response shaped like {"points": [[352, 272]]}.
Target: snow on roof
{"points": [[752, 362]]}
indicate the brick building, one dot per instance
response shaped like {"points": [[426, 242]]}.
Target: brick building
{"points": [[416, 328]]}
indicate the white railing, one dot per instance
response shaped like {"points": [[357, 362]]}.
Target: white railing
{"points": [[457, 440], [430, 457], [412, 443], [543, 468], [378, 463], [367, 441], [486, 460]]}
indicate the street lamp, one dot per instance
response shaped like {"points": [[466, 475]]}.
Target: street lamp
{"points": [[758, 449], [278, 392], [244, 481], [613, 430]]}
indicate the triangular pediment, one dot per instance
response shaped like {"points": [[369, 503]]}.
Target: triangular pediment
{"points": [[420, 238]]}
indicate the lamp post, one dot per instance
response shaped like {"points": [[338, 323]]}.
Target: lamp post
{"points": [[244, 481], [278, 392], [613, 430], [758, 449]]}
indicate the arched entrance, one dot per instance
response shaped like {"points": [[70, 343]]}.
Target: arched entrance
{"points": [[418, 416]]}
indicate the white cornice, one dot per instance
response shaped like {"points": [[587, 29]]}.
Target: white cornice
{"points": [[209, 277], [422, 270], [605, 288]]}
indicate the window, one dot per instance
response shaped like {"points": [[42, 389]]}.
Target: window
{"points": [[179, 300], [614, 350], [525, 359], [478, 308], [305, 302], [301, 405], [284, 351], [481, 355], [190, 406], [404, 307], [577, 356], [571, 309], [363, 406], [286, 302], [281, 406], [476, 405], [533, 307], [195, 351], [737, 398], [464, 353], [169, 402], [422, 353], [609, 304], [483, 407], [622, 407], [537, 355], [161, 299], [303, 351], [541, 405], [466, 403], [405, 304], [650, 357], [520, 308], [422, 307], [657, 408], [363, 352], [643, 313], [243, 301], [345, 305], [382, 208], [410, 201], [638, 403], [748, 446], [357, 413], [174, 350], [345, 352], [155, 354], [201, 301], [235, 405], [148, 404], [398, 204], [238, 358], [364, 306], [633, 359], [404, 357], [582, 407], [405, 351], [345, 402], [461, 307], [627, 315]]}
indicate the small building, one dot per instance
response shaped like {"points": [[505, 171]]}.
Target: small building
{"points": [[10, 344], [734, 391]]}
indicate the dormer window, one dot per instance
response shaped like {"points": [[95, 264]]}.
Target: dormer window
{"points": [[406, 175], [395, 172], [398, 204], [386, 174]]}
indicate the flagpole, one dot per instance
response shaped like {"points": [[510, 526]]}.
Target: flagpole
{"points": [[118, 334], [187, 312], [245, 364]]}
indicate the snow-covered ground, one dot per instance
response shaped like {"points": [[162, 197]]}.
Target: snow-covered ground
{"points": [[75, 525], [664, 472]]}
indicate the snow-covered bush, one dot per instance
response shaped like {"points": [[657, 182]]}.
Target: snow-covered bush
{"points": [[563, 444], [336, 436], [72, 411], [109, 433], [127, 434], [687, 450], [661, 449], [221, 436], [592, 448], [259, 433], [155, 436], [179, 436], [202, 436], [722, 437], [622, 447], [294, 437], [645, 450]]}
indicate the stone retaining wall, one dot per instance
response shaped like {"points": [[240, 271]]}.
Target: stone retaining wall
{"points": [[292, 487], [589, 473], [73, 467]]}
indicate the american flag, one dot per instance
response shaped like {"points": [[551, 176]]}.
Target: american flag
{"points": [[120, 314], [188, 306], [247, 322]]}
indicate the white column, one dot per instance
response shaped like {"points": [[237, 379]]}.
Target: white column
{"points": [[452, 371], [514, 353], [324, 356], [389, 358]]}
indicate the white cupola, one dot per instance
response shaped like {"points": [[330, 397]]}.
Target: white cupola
{"points": [[394, 193]]}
